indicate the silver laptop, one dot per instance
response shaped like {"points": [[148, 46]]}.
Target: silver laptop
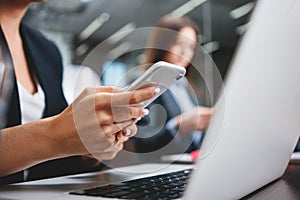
{"points": [[262, 110], [254, 130]]}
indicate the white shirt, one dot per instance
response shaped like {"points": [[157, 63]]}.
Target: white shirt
{"points": [[32, 105]]}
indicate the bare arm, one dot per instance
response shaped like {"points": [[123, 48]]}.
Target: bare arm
{"points": [[88, 126], [26, 145]]}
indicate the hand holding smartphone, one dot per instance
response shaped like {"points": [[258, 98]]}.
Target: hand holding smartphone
{"points": [[161, 75]]}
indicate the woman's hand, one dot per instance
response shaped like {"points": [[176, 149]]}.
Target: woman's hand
{"points": [[195, 120], [110, 153], [96, 122]]}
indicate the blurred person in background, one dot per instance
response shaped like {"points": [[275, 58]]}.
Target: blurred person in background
{"points": [[185, 117]]}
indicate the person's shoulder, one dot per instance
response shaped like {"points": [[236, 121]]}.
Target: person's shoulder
{"points": [[35, 37], [48, 53]]}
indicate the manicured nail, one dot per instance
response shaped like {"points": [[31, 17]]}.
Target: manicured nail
{"points": [[128, 132], [157, 90], [139, 118], [141, 104], [117, 141], [146, 112]]}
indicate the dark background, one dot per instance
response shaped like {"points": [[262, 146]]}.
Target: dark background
{"points": [[70, 17]]}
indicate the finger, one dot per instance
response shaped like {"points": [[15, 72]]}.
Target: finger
{"points": [[110, 89], [143, 94], [121, 137], [129, 131], [107, 99], [110, 129], [205, 110], [115, 149], [99, 90], [102, 96], [117, 140], [127, 113], [120, 114], [134, 97]]}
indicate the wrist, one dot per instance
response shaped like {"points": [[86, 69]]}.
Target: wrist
{"points": [[180, 125], [29, 144], [48, 144], [177, 121], [62, 129], [65, 138]]}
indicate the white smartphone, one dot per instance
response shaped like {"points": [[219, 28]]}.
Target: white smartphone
{"points": [[161, 75]]}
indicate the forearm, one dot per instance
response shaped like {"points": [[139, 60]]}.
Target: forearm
{"points": [[27, 145], [56, 137]]}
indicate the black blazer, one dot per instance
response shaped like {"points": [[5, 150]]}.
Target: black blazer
{"points": [[45, 62]]}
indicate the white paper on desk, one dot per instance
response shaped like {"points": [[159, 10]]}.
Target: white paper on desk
{"points": [[185, 157], [295, 156]]}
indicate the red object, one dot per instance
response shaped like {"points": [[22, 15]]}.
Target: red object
{"points": [[195, 155]]}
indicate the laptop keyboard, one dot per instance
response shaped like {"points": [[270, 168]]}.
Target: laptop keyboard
{"points": [[166, 186]]}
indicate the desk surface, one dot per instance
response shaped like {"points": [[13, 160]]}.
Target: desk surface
{"points": [[287, 187]]}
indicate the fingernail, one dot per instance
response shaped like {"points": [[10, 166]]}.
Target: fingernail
{"points": [[139, 118], [117, 141], [146, 112], [157, 90], [128, 132], [141, 104]]}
